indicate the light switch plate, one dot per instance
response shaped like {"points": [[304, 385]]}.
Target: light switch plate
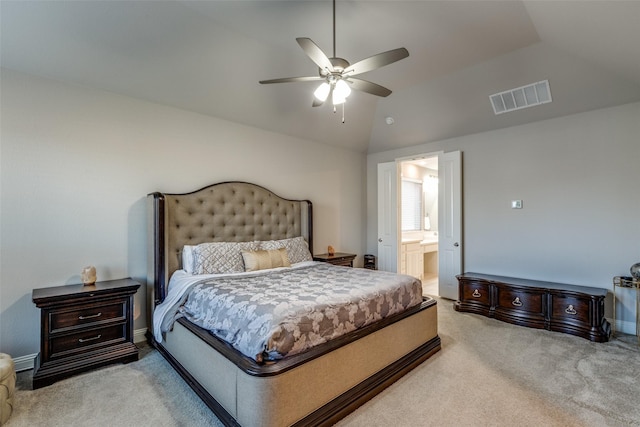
{"points": [[516, 204]]}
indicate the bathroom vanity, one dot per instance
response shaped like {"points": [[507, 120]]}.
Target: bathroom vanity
{"points": [[419, 257]]}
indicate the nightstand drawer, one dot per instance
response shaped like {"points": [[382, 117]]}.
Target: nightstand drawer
{"points": [[87, 340], [339, 258], [87, 316], [348, 262]]}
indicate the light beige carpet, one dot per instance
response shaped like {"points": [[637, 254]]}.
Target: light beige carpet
{"points": [[488, 373]]}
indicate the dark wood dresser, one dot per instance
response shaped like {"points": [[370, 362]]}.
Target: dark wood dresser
{"points": [[338, 258], [576, 310], [83, 327]]}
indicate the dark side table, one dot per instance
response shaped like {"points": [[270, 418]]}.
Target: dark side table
{"points": [[338, 258], [83, 327]]}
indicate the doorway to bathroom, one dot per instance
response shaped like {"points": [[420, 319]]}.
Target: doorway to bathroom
{"points": [[418, 205], [449, 223]]}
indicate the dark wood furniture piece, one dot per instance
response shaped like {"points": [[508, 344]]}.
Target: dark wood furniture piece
{"points": [[338, 258], [334, 379], [370, 262], [84, 327], [576, 310]]}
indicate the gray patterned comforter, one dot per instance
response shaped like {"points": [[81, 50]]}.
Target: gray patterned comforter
{"points": [[288, 311]]}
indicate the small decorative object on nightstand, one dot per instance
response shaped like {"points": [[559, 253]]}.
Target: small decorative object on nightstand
{"points": [[330, 250], [88, 275], [338, 258], [83, 327]]}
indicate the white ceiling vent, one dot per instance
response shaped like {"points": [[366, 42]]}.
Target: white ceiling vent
{"points": [[521, 97]]}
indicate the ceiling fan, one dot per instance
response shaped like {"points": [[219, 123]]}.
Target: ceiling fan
{"points": [[337, 74]]}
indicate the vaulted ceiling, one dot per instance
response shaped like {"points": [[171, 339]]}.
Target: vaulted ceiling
{"points": [[208, 56]]}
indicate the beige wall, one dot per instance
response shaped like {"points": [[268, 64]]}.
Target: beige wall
{"points": [[77, 163], [578, 177]]}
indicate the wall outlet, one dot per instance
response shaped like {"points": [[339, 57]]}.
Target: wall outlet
{"points": [[516, 204]]}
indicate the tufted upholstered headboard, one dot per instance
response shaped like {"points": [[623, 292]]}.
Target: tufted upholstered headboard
{"points": [[224, 212]]}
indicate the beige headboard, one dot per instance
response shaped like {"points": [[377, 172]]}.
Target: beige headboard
{"points": [[224, 212]]}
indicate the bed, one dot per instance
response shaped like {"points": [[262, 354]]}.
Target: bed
{"points": [[314, 386]]}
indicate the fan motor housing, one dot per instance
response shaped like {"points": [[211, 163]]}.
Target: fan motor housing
{"points": [[339, 64]]}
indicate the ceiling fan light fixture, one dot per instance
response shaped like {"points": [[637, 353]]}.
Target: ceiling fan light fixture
{"points": [[322, 92], [337, 100], [337, 74], [341, 92]]}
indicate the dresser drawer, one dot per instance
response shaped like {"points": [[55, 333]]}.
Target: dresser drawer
{"points": [[475, 292], [567, 308], [78, 342], [520, 300], [87, 316]]}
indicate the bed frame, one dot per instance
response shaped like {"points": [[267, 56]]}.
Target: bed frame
{"points": [[317, 387]]}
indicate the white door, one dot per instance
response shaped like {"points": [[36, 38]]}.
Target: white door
{"points": [[449, 223], [388, 217]]}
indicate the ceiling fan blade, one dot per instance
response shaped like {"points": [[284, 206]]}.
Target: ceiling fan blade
{"points": [[376, 61], [292, 79], [315, 53], [368, 87]]}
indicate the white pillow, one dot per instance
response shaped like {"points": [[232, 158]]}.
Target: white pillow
{"points": [[220, 257], [187, 258], [297, 248]]}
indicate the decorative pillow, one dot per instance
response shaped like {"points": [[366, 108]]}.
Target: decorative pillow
{"points": [[220, 257], [297, 248], [264, 259]]}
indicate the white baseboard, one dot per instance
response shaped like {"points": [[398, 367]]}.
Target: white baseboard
{"points": [[24, 363], [626, 327], [140, 335]]}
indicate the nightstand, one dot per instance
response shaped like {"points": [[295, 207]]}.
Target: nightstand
{"points": [[339, 258], [83, 327]]}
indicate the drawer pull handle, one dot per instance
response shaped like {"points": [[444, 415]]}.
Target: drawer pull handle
{"points": [[90, 339], [570, 310], [476, 294], [90, 317], [517, 302]]}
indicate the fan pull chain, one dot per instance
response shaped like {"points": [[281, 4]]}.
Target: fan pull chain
{"points": [[335, 110]]}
